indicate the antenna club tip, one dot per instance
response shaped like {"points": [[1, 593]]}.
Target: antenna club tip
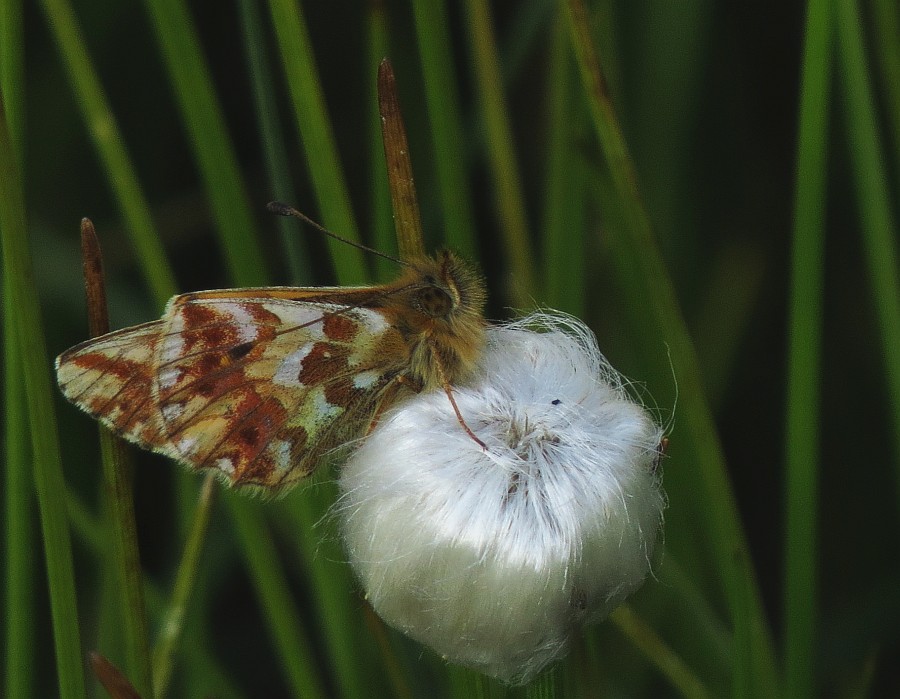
{"points": [[280, 208]]}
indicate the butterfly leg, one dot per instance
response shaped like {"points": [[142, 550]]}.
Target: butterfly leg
{"points": [[448, 389]]}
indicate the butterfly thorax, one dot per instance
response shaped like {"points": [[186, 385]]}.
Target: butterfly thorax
{"points": [[437, 306]]}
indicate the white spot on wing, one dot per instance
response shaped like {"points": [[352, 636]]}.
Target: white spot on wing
{"points": [[172, 411], [168, 376], [289, 369], [225, 465], [308, 315], [311, 315], [373, 321], [323, 409], [187, 445], [282, 453], [172, 345], [366, 379], [242, 320]]}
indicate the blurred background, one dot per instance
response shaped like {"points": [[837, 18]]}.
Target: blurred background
{"points": [[203, 106]]}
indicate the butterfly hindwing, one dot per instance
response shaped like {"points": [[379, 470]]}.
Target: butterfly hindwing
{"points": [[112, 377]]}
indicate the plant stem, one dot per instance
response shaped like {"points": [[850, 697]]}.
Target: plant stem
{"points": [[804, 362]]}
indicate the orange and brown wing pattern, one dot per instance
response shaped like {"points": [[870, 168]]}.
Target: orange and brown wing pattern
{"points": [[260, 389], [112, 378]]}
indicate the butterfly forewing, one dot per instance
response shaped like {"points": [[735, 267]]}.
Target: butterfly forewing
{"points": [[258, 388]]}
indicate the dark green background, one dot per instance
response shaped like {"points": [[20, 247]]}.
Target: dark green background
{"points": [[707, 95]]}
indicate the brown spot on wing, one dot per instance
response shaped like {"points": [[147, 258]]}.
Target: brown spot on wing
{"points": [[253, 448], [249, 435], [340, 328], [203, 326], [340, 393], [240, 351], [208, 361], [323, 362]]}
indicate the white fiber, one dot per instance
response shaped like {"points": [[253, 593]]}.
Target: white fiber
{"points": [[494, 558]]}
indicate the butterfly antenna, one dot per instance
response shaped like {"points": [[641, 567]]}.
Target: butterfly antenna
{"points": [[282, 209]]}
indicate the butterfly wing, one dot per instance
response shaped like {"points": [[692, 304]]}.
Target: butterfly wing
{"points": [[112, 377], [260, 388]]}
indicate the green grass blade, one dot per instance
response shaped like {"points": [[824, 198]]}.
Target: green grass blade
{"points": [[104, 131], [311, 115], [640, 270], [657, 652], [510, 201], [271, 137], [886, 26], [105, 597], [605, 121], [446, 125], [392, 668], [668, 55], [341, 628], [879, 230], [525, 33], [804, 357], [18, 493], [176, 609], [208, 676], [275, 601], [710, 642], [47, 466], [723, 321], [213, 149], [350, 648], [122, 531], [280, 613], [337, 611], [19, 539], [86, 526], [12, 72], [469, 684], [563, 239], [544, 686]]}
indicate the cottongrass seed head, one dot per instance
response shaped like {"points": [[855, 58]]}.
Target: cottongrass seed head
{"points": [[495, 557]]}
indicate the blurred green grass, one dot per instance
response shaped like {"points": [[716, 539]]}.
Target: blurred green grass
{"points": [[171, 126]]}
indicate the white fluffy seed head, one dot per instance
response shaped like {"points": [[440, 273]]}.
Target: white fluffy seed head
{"points": [[494, 558]]}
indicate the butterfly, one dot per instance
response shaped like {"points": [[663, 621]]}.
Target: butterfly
{"points": [[263, 384]]}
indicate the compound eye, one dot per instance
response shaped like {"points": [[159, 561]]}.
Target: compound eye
{"points": [[434, 302]]}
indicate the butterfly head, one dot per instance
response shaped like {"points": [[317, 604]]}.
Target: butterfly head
{"points": [[446, 287], [440, 300]]}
